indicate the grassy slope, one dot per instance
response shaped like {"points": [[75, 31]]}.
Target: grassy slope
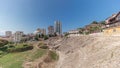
{"points": [[14, 60]]}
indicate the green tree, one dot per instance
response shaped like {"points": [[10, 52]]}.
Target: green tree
{"points": [[37, 37], [3, 42], [42, 35], [103, 22], [81, 30], [45, 37], [94, 22]]}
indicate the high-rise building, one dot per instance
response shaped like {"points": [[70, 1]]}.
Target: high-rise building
{"points": [[51, 30], [8, 33], [58, 27]]}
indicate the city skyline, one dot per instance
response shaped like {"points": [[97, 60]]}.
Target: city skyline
{"points": [[28, 15]]}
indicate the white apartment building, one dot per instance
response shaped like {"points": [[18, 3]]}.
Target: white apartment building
{"points": [[17, 36], [8, 33], [37, 32], [74, 33], [40, 31]]}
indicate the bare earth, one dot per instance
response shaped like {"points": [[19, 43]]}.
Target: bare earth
{"points": [[82, 52], [89, 52]]}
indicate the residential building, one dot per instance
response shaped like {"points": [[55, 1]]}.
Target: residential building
{"points": [[17, 36], [8, 33], [113, 25], [74, 33], [58, 28], [51, 30], [38, 31]]}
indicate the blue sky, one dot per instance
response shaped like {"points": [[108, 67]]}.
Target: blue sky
{"points": [[28, 15]]}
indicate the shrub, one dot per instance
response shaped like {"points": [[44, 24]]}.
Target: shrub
{"points": [[66, 34], [11, 46], [45, 37], [19, 49], [4, 48], [3, 42], [1, 52], [43, 47], [25, 45]]}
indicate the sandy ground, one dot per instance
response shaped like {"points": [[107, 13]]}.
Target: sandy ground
{"points": [[89, 52]]}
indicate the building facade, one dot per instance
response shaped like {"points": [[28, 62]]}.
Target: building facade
{"points": [[112, 25], [37, 32], [51, 30], [73, 33], [8, 33], [58, 28], [17, 36]]}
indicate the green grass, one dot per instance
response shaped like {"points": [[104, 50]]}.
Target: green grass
{"points": [[38, 53], [15, 60], [53, 55]]}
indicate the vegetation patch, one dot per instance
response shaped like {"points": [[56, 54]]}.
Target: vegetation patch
{"points": [[43, 45], [38, 53], [15, 60], [13, 55], [53, 55]]}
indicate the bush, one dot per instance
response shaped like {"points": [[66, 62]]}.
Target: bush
{"points": [[25, 45], [66, 34], [4, 48], [19, 49], [11, 46], [45, 37], [43, 47], [3, 42], [1, 52]]}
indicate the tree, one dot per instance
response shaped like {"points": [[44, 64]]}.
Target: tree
{"points": [[45, 37], [81, 30], [3, 42], [42, 35], [94, 22], [102, 22], [37, 37]]}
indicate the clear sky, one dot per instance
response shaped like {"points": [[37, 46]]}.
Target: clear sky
{"points": [[28, 15]]}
